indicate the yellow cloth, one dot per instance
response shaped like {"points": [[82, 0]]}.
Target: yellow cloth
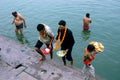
{"points": [[58, 42], [57, 45], [98, 46]]}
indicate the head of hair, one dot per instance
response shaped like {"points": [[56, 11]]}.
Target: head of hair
{"points": [[87, 15], [14, 13], [40, 27], [90, 48], [62, 22]]}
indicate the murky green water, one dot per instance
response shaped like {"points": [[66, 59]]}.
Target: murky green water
{"points": [[104, 28]]}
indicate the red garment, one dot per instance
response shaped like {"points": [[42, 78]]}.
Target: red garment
{"points": [[86, 27], [89, 59], [88, 62]]}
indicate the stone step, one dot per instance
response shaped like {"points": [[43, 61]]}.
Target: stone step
{"points": [[20, 62]]}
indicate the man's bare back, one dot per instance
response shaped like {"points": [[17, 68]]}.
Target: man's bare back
{"points": [[86, 22]]}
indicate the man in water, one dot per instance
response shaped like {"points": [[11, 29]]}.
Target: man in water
{"points": [[19, 22], [86, 21]]}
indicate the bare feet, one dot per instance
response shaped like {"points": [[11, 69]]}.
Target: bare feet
{"points": [[65, 64], [42, 59], [72, 63], [51, 58]]}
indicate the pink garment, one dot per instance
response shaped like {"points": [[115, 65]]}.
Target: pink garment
{"points": [[86, 27]]}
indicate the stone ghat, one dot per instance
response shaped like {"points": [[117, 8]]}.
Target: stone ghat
{"points": [[20, 62]]}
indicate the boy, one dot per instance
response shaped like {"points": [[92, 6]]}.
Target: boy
{"points": [[89, 56]]}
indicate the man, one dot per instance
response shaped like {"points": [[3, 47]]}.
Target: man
{"points": [[86, 21], [19, 22], [67, 41], [46, 37], [89, 56]]}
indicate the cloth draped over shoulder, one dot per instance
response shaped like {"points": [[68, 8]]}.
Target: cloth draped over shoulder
{"points": [[48, 38], [68, 41], [59, 42]]}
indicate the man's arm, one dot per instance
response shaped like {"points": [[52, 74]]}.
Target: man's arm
{"points": [[13, 21], [90, 20], [52, 39], [21, 17], [93, 56], [50, 34], [24, 23], [71, 40]]}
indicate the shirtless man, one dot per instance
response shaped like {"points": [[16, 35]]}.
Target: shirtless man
{"points": [[86, 21], [19, 22]]}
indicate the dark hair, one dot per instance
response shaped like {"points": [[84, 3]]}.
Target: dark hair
{"points": [[87, 15], [40, 27], [62, 22], [14, 13], [90, 48]]}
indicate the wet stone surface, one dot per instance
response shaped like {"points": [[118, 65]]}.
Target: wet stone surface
{"points": [[19, 62]]}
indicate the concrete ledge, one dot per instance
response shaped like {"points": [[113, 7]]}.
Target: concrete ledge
{"points": [[19, 62]]}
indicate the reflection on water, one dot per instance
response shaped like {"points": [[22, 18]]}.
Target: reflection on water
{"points": [[85, 34], [22, 39]]}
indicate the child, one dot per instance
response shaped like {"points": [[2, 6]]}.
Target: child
{"points": [[89, 56]]}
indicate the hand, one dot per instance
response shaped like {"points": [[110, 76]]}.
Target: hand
{"points": [[50, 46], [54, 40], [12, 23], [25, 26], [66, 50]]}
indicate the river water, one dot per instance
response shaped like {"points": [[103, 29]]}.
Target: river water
{"points": [[104, 28]]}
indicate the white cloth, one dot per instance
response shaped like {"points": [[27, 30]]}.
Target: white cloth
{"points": [[47, 39], [89, 71]]}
